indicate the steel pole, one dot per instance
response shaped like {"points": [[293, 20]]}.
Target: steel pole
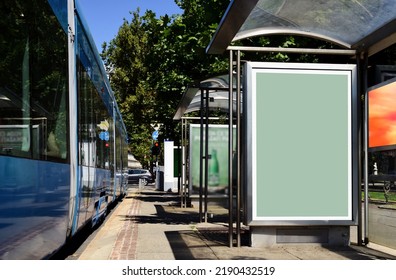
{"points": [[230, 151], [238, 149]]}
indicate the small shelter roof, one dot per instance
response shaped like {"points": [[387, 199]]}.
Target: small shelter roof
{"points": [[218, 88]]}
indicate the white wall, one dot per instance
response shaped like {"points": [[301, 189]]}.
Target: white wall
{"points": [[169, 181]]}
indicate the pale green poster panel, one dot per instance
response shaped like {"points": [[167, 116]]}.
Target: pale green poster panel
{"points": [[218, 162], [301, 144]]}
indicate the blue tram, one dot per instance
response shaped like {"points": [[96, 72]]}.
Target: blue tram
{"points": [[63, 143]]}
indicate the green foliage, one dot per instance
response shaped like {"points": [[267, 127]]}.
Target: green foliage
{"points": [[151, 62]]}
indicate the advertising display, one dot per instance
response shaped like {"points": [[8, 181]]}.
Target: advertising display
{"points": [[382, 116], [218, 162], [299, 143]]}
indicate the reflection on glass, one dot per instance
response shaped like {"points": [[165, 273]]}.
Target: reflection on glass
{"points": [[33, 82]]}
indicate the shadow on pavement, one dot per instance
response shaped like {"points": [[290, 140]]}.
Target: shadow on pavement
{"points": [[210, 241], [354, 252]]}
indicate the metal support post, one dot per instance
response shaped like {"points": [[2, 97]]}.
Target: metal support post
{"points": [[206, 97], [366, 183], [200, 158], [238, 148], [230, 152], [185, 163], [183, 185]]}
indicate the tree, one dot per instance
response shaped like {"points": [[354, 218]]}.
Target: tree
{"points": [[151, 62], [124, 59]]}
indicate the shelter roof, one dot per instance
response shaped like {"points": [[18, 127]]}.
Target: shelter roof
{"points": [[218, 88], [354, 24]]}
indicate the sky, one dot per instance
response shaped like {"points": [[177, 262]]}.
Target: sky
{"points": [[104, 17]]}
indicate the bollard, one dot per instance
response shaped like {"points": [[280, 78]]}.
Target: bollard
{"points": [[140, 184]]}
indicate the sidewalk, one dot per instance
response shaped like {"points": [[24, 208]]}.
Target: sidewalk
{"points": [[150, 225]]}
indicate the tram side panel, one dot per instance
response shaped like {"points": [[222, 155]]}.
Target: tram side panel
{"points": [[97, 132], [38, 213], [34, 208], [34, 159]]}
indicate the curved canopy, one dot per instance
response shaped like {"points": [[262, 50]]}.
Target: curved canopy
{"points": [[352, 24], [218, 100], [218, 88]]}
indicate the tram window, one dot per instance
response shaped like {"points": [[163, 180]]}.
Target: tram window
{"points": [[95, 151], [86, 128], [33, 82], [95, 139]]}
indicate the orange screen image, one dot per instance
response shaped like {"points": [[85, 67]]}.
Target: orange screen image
{"points": [[382, 116]]}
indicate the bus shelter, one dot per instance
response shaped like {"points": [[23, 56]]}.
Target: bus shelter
{"points": [[198, 138], [302, 136]]}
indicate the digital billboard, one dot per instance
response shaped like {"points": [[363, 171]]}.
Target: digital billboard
{"points": [[382, 116]]}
